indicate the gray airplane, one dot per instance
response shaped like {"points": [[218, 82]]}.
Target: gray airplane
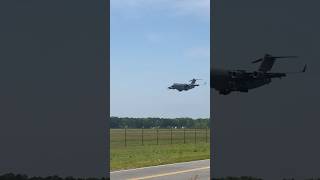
{"points": [[184, 87], [227, 81]]}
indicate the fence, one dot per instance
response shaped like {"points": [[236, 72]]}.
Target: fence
{"points": [[155, 136]]}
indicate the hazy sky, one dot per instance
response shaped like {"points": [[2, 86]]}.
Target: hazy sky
{"points": [[154, 44]]}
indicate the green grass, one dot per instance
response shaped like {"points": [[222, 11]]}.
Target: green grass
{"points": [[133, 137], [136, 155], [149, 155]]}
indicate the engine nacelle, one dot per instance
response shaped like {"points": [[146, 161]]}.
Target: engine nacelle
{"points": [[233, 74], [257, 74]]}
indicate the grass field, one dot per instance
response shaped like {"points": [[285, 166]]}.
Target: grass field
{"points": [[157, 147]]}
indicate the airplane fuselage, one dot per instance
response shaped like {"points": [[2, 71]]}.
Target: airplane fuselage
{"points": [[226, 81], [182, 87]]}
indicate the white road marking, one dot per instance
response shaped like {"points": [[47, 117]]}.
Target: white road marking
{"points": [[171, 173], [157, 166]]}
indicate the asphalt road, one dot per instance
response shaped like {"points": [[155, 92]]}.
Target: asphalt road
{"points": [[194, 170]]}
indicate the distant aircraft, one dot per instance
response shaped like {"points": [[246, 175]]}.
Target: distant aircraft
{"points": [[184, 87], [227, 81]]}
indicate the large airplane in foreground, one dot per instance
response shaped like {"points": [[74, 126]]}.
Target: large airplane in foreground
{"points": [[227, 81]]}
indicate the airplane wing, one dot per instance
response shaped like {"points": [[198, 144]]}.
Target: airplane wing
{"points": [[242, 75], [275, 75]]}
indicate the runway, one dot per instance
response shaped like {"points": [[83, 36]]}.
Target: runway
{"points": [[193, 170]]}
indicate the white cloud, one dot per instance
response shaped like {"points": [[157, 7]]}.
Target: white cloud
{"points": [[198, 52], [177, 7], [196, 7], [153, 37]]}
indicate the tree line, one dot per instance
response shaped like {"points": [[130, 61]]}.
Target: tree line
{"points": [[11, 176], [127, 122]]}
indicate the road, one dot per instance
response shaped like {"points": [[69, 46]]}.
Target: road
{"points": [[194, 170]]}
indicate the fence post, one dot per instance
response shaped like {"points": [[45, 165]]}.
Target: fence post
{"points": [[206, 135], [158, 136], [125, 137], [195, 135], [142, 136], [171, 136], [184, 135]]}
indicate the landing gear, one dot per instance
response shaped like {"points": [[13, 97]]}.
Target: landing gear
{"points": [[244, 90], [224, 92]]}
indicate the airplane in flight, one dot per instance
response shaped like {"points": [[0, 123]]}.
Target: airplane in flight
{"points": [[184, 87], [227, 81]]}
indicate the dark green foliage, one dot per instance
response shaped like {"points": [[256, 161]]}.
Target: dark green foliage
{"points": [[11, 176], [239, 178], [126, 122]]}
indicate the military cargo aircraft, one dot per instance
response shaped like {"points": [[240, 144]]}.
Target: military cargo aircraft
{"points": [[227, 81], [184, 87]]}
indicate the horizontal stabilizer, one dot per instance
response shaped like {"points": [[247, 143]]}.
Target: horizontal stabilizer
{"points": [[268, 60], [258, 60]]}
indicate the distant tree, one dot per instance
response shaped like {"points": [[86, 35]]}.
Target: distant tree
{"points": [[150, 122]]}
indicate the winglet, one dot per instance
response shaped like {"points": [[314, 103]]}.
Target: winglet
{"points": [[304, 68]]}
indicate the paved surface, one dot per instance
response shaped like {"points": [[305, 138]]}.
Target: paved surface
{"points": [[194, 170]]}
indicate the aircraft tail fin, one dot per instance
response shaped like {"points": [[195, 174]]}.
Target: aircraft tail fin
{"points": [[193, 81], [268, 61]]}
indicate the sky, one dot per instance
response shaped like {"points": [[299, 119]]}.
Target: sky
{"points": [[152, 45]]}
